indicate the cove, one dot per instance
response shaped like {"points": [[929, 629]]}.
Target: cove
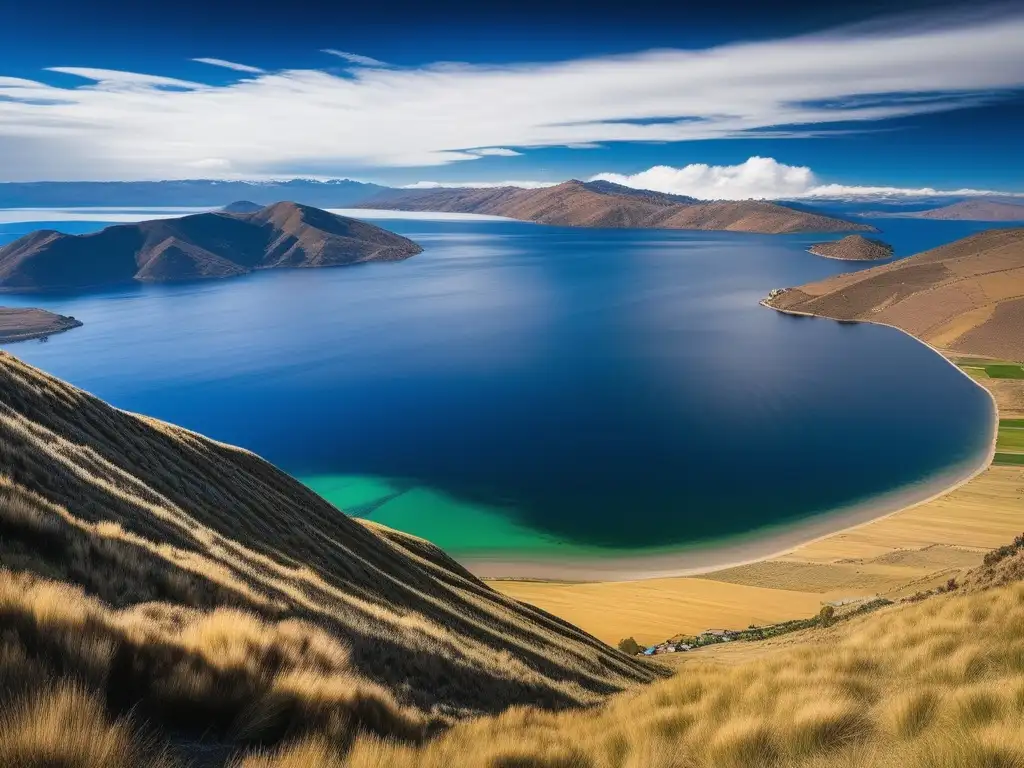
{"points": [[520, 392]]}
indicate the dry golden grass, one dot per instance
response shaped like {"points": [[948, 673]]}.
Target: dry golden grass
{"points": [[62, 725], [653, 610], [917, 548], [165, 598], [937, 683], [194, 586]]}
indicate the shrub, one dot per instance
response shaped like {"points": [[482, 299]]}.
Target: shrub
{"points": [[826, 615], [630, 646]]}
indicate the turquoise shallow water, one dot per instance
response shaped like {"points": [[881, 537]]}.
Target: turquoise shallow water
{"points": [[525, 389]]}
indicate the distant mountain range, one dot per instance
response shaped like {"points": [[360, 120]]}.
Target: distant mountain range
{"points": [[604, 204], [198, 193], [204, 245], [572, 203], [971, 210]]}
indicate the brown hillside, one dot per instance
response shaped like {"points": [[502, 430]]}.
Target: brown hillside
{"points": [[205, 245], [195, 586], [20, 324], [603, 204], [966, 297], [853, 248], [975, 210]]}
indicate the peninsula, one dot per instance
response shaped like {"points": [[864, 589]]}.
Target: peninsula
{"points": [[22, 324], [853, 248], [966, 297], [604, 204], [204, 245]]}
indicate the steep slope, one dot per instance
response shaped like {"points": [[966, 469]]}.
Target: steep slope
{"points": [[604, 204], [966, 297], [926, 683], [193, 584], [853, 248], [21, 324], [205, 245], [974, 210]]}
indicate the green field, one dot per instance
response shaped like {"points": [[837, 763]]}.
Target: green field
{"points": [[1016, 459], [1004, 371], [1011, 439], [1010, 442]]}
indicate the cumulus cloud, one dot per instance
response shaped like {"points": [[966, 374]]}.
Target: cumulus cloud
{"points": [[355, 58], [757, 177], [138, 125], [230, 65], [761, 177]]}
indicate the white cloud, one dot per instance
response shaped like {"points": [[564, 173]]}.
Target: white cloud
{"points": [[355, 58], [757, 177], [230, 65], [134, 125], [495, 151], [762, 177]]}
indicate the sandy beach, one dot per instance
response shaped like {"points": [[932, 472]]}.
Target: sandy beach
{"points": [[758, 545], [894, 545]]}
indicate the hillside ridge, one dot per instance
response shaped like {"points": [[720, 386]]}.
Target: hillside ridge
{"points": [[576, 203], [965, 297], [202, 245]]}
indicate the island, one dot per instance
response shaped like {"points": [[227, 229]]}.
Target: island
{"points": [[23, 323], [853, 248], [199, 246], [577, 203]]}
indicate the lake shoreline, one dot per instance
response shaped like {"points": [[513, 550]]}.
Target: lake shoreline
{"points": [[715, 557], [25, 324]]}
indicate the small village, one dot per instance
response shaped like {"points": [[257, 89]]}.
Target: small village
{"points": [[829, 614]]}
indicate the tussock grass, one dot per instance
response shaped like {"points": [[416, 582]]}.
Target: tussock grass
{"points": [[167, 598], [196, 588], [877, 691]]}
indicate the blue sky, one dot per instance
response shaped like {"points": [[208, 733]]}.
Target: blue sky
{"points": [[906, 94]]}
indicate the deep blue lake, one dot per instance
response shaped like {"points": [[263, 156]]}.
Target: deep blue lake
{"points": [[536, 389]]}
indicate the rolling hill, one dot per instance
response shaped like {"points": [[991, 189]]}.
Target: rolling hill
{"points": [[965, 297], [152, 572], [974, 210], [205, 245], [604, 204]]}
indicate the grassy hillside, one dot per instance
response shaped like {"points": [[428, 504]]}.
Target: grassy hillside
{"points": [[933, 683], [168, 600], [151, 572]]}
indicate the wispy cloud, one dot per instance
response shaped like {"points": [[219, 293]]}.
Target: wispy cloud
{"points": [[134, 125], [763, 178], [231, 65], [356, 58], [495, 152]]}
